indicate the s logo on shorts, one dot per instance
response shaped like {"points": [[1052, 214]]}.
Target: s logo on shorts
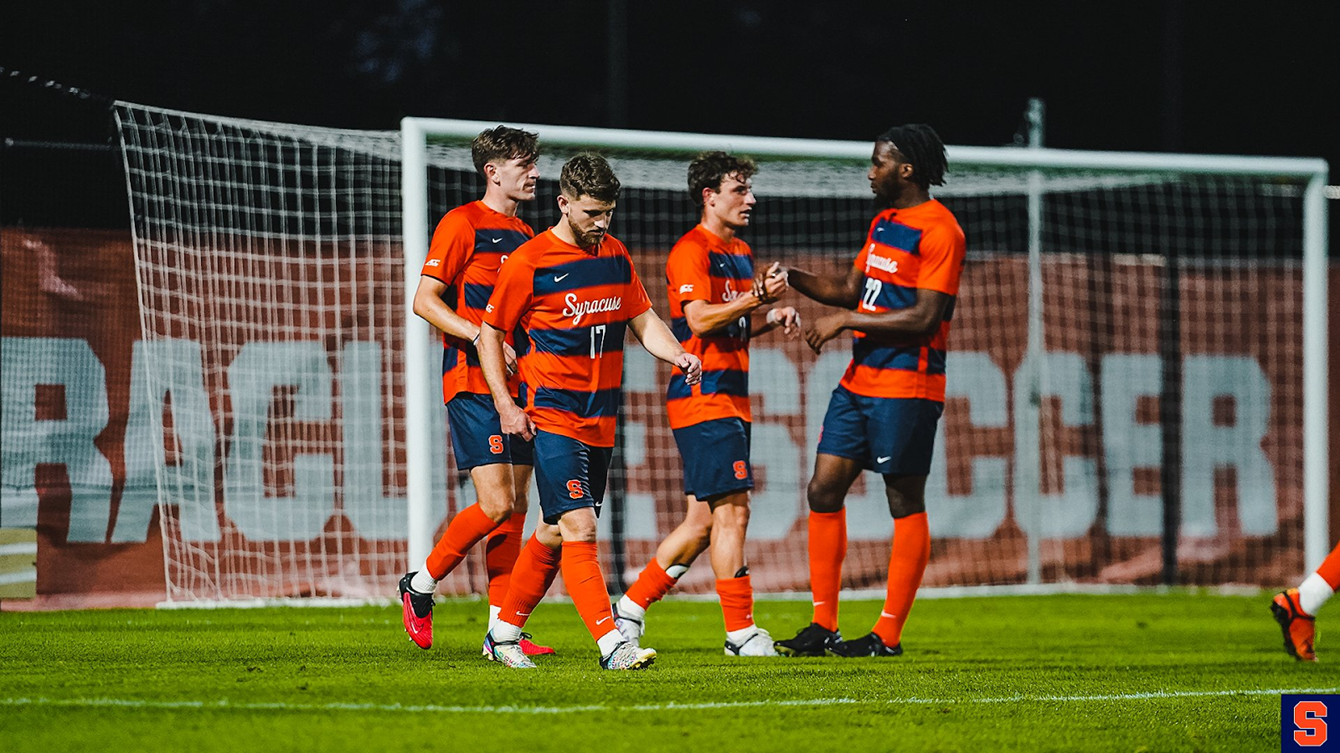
{"points": [[495, 444], [575, 489], [741, 470]]}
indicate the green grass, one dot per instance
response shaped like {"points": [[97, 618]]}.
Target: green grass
{"points": [[1021, 673]]}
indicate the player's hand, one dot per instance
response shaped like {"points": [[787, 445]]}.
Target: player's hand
{"points": [[786, 316], [770, 285], [516, 422], [509, 359], [691, 366], [825, 328]]}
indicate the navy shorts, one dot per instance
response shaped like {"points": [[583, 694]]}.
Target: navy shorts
{"points": [[885, 435], [569, 475], [477, 437], [716, 458]]}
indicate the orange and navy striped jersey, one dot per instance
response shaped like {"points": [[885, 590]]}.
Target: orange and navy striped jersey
{"points": [[703, 267], [907, 249], [573, 306], [469, 246]]}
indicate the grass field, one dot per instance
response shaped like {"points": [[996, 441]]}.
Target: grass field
{"points": [[1143, 672]]}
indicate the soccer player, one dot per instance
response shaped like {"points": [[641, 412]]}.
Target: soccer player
{"points": [[574, 291], [900, 297], [710, 276], [1295, 609], [468, 247]]}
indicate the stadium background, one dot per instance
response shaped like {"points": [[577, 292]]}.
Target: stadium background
{"points": [[62, 193]]}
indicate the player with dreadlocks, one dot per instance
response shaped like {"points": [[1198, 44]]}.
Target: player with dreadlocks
{"points": [[899, 298]]}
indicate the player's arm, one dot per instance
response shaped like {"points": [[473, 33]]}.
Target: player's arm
{"points": [[661, 343], [512, 419], [428, 304], [830, 290], [918, 320]]}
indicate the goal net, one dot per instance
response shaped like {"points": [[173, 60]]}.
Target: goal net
{"points": [[1127, 396]]}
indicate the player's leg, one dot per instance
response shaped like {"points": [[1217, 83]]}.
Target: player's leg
{"points": [[673, 556], [532, 575], [503, 546], [485, 452], [833, 477], [902, 433], [730, 522], [1295, 609]]}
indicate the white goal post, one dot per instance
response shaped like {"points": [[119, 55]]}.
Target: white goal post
{"points": [[997, 170]]}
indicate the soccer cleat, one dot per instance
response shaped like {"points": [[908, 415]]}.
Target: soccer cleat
{"points": [[628, 655], [812, 640], [871, 645], [629, 628], [1299, 629], [417, 613], [758, 643], [531, 648], [507, 653], [528, 647]]}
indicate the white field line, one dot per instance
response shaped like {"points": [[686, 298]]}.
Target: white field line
{"points": [[226, 705]]}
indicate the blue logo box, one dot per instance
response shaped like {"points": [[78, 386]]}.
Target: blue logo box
{"points": [[1310, 723]]}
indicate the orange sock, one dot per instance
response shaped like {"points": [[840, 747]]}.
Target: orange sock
{"points": [[500, 553], [651, 585], [828, 547], [586, 586], [907, 563], [463, 532], [737, 602], [1330, 569], [532, 575]]}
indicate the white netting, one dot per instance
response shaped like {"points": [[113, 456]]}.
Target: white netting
{"points": [[271, 282]]}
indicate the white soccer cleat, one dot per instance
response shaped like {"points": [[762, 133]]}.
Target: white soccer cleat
{"points": [[629, 628], [629, 655], [506, 653], [757, 643]]}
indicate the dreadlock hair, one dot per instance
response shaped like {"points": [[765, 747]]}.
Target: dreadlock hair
{"points": [[709, 169], [924, 150], [589, 174], [501, 144]]}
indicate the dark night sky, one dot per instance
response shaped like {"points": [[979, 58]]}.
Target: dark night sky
{"points": [[1217, 77]]}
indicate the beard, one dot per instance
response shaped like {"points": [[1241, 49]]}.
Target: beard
{"points": [[586, 239]]}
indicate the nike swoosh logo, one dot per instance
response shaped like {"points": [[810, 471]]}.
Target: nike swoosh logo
{"points": [[604, 620], [890, 616], [523, 614], [884, 459], [820, 603], [496, 240], [559, 278]]}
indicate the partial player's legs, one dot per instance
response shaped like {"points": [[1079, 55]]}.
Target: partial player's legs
{"points": [[1295, 609], [902, 433], [495, 490], [570, 477], [907, 563], [673, 557], [833, 477], [730, 521]]}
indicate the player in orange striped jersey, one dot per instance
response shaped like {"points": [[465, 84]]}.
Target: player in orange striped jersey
{"points": [[900, 295], [574, 291], [710, 276], [468, 248]]}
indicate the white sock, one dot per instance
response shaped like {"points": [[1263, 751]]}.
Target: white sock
{"points": [[422, 581], [607, 642], [676, 571], [493, 615], [738, 636], [505, 632], [1312, 593], [630, 608]]}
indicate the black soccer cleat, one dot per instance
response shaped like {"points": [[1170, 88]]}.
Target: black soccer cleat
{"points": [[810, 641], [870, 645]]}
